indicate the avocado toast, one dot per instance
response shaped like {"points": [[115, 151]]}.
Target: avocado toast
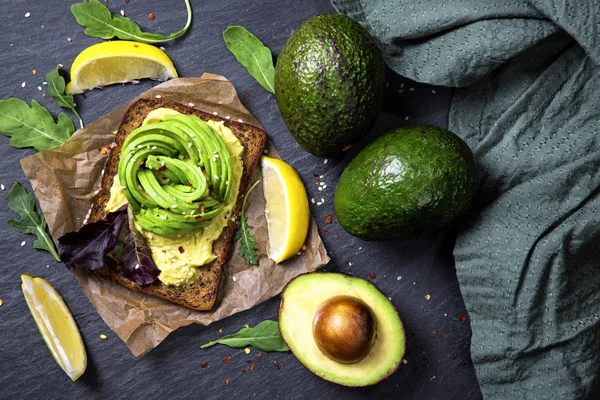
{"points": [[201, 294]]}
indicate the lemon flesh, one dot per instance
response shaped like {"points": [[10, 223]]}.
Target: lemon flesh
{"points": [[56, 324], [286, 211], [118, 61]]}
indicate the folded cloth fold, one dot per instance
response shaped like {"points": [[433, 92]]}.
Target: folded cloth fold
{"points": [[528, 255]]}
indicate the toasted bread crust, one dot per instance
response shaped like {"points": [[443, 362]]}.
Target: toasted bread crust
{"points": [[201, 295]]}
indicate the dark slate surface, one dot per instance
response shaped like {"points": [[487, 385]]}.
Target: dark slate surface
{"points": [[438, 362]]}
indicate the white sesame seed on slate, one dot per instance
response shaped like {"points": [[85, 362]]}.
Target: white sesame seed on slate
{"points": [[27, 15], [2, 187], [23, 243], [350, 263], [322, 200], [324, 187], [401, 90], [69, 39], [48, 266], [398, 278], [312, 201], [433, 91], [23, 84], [325, 161], [122, 13], [402, 85], [162, 48], [44, 83], [406, 119], [412, 89], [319, 203], [320, 188], [39, 88]]}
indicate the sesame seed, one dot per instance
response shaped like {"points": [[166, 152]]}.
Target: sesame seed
{"points": [[191, 104], [247, 350], [122, 13], [234, 279], [48, 266], [137, 266], [312, 201], [322, 200], [398, 278], [103, 337], [44, 83], [433, 91], [412, 89], [227, 117], [153, 147], [39, 88], [319, 203], [320, 188], [428, 297], [350, 263], [2, 187], [324, 187], [174, 206], [402, 85], [401, 90], [162, 48], [23, 84], [23, 243], [325, 161], [69, 39], [239, 120], [27, 15], [214, 113], [158, 96], [1, 303], [406, 119]]}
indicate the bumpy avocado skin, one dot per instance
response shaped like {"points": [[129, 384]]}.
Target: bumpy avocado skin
{"points": [[410, 181], [329, 83]]}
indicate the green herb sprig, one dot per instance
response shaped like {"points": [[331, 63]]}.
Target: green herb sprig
{"points": [[252, 54], [248, 246], [33, 126], [31, 221], [56, 89], [100, 23], [264, 336]]}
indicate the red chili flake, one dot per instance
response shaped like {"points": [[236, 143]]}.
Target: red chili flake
{"points": [[201, 207], [126, 1], [277, 366], [99, 149], [251, 367], [438, 334], [328, 219], [168, 208], [164, 251], [204, 365], [372, 275], [161, 168], [151, 16], [325, 232], [462, 318], [198, 218], [190, 184], [243, 371], [260, 355], [336, 236], [181, 250], [227, 360], [316, 175], [247, 94], [227, 381]]}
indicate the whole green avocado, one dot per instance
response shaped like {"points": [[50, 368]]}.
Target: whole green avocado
{"points": [[410, 181], [329, 84]]}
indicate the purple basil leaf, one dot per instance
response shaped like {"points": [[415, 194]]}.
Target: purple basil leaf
{"points": [[87, 248], [135, 257]]}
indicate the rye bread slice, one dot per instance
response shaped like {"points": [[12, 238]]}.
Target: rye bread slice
{"points": [[201, 295]]}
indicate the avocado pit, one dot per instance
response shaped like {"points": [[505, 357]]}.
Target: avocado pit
{"points": [[344, 329]]}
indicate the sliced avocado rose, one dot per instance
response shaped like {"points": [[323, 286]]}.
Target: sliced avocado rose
{"points": [[343, 329]]}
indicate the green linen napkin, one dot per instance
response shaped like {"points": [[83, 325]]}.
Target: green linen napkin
{"points": [[528, 105]]}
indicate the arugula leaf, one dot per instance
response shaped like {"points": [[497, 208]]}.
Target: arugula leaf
{"points": [[252, 54], [264, 336], [248, 246], [56, 89], [33, 127], [32, 222], [99, 23]]}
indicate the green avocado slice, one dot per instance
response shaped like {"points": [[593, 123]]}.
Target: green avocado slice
{"points": [[300, 301]]}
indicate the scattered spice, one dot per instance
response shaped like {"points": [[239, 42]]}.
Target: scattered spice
{"points": [[151, 17], [346, 148], [103, 337], [201, 207], [277, 365], [428, 297], [44, 95], [316, 175], [404, 361], [462, 318], [372, 275], [198, 218], [27, 15], [1, 302], [251, 367], [164, 251], [439, 334], [328, 219], [227, 360], [247, 350], [181, 249], [247, 94], [259, 355], [325, 232], [204, 365], [227, 381], [34, 72], [432, 378]]}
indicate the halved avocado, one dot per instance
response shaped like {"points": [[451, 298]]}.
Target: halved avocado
{"points": [[328, 319]]}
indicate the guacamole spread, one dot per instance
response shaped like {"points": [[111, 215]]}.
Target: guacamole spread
{"points": [[181, 177]]}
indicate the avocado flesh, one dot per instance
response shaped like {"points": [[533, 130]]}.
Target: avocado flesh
{"points": [[329, 84], [160, 160], [301, 299], [415, 180]]}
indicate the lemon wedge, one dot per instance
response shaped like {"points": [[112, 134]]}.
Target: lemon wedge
{"points": [[286, 209], [118, 61], [56, 324]]}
